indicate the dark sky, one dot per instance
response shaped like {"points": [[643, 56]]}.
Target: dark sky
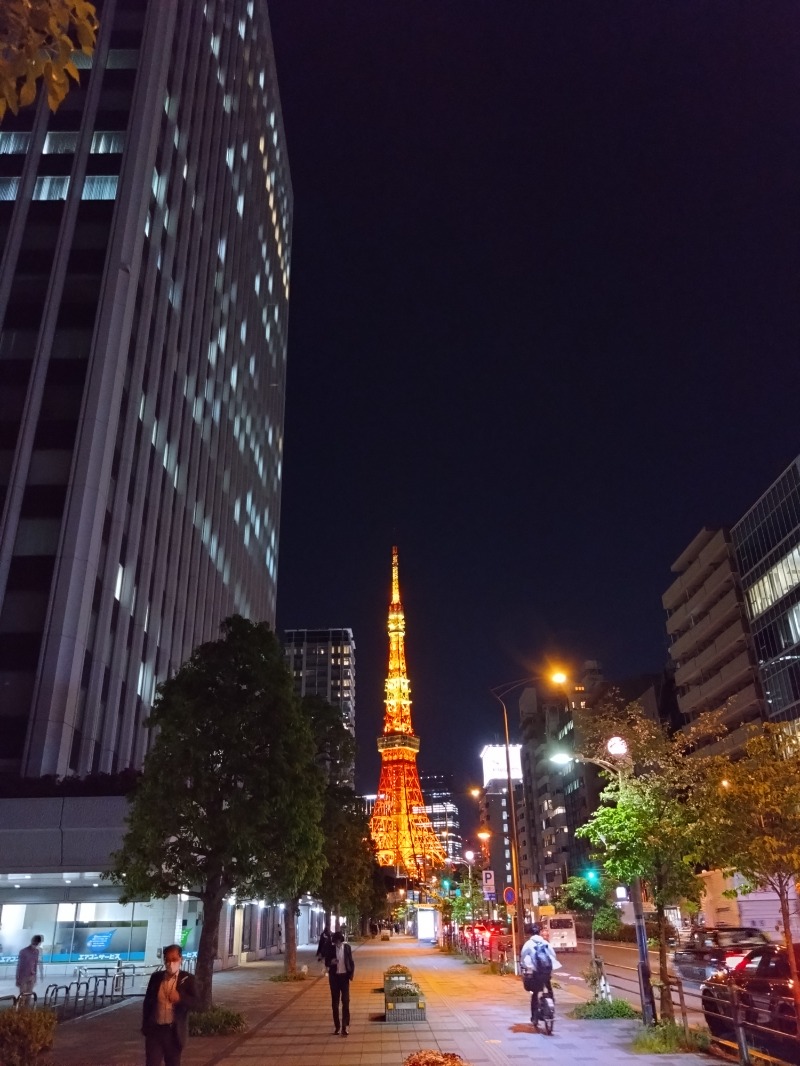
{"points": [[544, 325]]}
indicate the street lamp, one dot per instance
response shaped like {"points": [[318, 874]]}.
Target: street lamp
{"points": [[617, 748], [498, 693]]}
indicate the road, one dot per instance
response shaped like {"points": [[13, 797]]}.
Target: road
{"points": [[620, 961]]}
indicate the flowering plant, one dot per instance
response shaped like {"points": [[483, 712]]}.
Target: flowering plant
{"points": [[408, 991], [426, 1057], [397, 968]]}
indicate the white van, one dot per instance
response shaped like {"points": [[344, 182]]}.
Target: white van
{"points": [[559, 929]]}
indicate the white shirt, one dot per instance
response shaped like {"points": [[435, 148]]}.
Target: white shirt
{"points": [[341, 966]]}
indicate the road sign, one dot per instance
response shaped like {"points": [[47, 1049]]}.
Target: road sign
{"points": [[509, 896], [490, 895], [511, 910], [488, 880]]}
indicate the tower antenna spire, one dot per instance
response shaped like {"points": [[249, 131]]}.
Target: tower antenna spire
{"points": [[401, 829]]}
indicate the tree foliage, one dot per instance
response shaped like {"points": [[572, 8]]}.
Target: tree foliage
{"points": [[37, 41], [753, 822], [651, 822], [230, 800]]}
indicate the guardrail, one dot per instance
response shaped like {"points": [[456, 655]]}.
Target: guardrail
{"points": [[734, 1017]]}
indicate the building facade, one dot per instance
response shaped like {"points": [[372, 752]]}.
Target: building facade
{"points": [[145, 230], [712, 648], [441, 808], [323, 663], [496, 811], [767, 545]]}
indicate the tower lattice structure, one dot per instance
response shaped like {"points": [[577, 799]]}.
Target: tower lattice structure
{"points": [[403, 833]]}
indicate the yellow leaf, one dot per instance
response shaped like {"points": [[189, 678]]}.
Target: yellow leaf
{"points": [[3, 105], [72, 70], [27, 93]]}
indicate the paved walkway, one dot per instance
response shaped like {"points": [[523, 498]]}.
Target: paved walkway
{"points": [[482, 1017]]}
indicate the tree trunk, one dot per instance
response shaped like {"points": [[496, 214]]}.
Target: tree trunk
{"points": [[593, 954], [207, 948], [783, 896], [667, 1008], [290, 935]]}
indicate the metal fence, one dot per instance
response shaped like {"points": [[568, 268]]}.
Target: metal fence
{"points": [[756, 1032]]}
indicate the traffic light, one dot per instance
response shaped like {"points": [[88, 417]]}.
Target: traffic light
{"points": [[445, 884], [592, 877]]}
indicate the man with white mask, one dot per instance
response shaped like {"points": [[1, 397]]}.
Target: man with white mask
{"points": [[170, 995]]}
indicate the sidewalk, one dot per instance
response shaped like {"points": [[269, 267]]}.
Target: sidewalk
{"points": [[480, 1016]]}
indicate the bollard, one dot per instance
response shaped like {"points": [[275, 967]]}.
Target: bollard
{"points": [[738, 1025]]}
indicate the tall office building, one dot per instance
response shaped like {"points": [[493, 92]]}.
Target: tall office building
{"points": [[323, 663], [441, 808], [767, 544], [144, 285], [495, 809]]}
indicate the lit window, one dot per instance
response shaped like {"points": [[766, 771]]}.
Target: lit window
{"points": [[51, 188], [14, 143], [100, 187], [118, 586]]}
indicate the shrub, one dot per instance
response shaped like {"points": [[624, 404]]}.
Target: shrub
{"points": [[299, 976], [626, 934], [667, 1037], [607, 921], [397, 968], [216, 1021], [24, 1035], [603, 1008]]}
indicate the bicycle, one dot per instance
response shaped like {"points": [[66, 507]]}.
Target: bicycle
{"points": [[543, 1010]]}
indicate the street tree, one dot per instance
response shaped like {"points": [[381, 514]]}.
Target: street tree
{"points": [[588, 895], [38, 39], [230, 800], [753, 823], [344, 876], [651, 821]]}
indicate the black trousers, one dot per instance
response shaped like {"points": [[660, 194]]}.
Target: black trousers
{"points": [[161, 1047], [340, 989]]}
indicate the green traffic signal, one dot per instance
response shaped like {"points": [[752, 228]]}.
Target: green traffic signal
{"points": [[446, 885], [591, 875]]}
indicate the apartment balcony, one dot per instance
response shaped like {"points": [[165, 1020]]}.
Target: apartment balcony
{"points": [[726, 682], [695, 575], [732, 639], [721, 614], [704, 599]]}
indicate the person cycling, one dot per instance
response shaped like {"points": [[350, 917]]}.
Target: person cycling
{"points": [[537, 960]]}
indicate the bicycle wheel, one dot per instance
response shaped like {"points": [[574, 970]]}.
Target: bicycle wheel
{"points": [[547, 1013]]}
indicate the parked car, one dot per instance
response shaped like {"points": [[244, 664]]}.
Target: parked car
{"points": [[764, 979], [710, 950]]}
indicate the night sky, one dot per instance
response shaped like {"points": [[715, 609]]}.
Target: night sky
{"points": [[544, 325]]}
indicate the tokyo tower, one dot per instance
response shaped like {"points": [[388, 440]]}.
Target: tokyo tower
{"points": [[401, 829]]}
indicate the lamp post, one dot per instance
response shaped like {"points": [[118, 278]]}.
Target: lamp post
{"points": [[617, 747], [498, 693]]}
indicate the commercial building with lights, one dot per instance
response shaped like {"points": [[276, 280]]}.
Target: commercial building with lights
{"points": [[767, 545], [441, 808], [145, 231], [323, 663], [495, 810]]}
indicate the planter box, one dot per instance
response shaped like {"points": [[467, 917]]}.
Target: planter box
{"points": [[405, 1010], [392, 980]]}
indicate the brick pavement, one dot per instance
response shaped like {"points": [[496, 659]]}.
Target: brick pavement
{"points": [[480, 1016]]}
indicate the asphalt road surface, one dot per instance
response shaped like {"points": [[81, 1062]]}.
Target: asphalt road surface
{"points": [[620, 962]]}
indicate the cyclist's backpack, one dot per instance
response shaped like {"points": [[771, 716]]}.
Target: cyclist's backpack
{"points": [[542, 963]]}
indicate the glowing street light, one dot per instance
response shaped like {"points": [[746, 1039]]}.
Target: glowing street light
{"points": [[559, 678]]}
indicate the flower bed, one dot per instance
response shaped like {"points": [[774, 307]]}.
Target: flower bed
{"points": [[405, 1003], [394, 977], [426, 1057]]}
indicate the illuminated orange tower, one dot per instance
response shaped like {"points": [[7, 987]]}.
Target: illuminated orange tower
{"points": [[403, 834]]}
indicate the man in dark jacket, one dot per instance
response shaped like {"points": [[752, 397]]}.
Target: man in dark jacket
{"points": [[340, 973], [170, 995]]}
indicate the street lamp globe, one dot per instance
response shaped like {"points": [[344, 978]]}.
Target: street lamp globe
{"points": [[469, 855], [617, 746], [559, 678]]}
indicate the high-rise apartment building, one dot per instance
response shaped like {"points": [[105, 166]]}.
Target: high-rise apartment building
{"points": [[145, 231], [712, 646], [323, 663], [441, 808], [767, 544]]}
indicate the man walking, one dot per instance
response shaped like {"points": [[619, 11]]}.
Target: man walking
{"points": [[29, 964], [170, 995], [340, 973]]}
